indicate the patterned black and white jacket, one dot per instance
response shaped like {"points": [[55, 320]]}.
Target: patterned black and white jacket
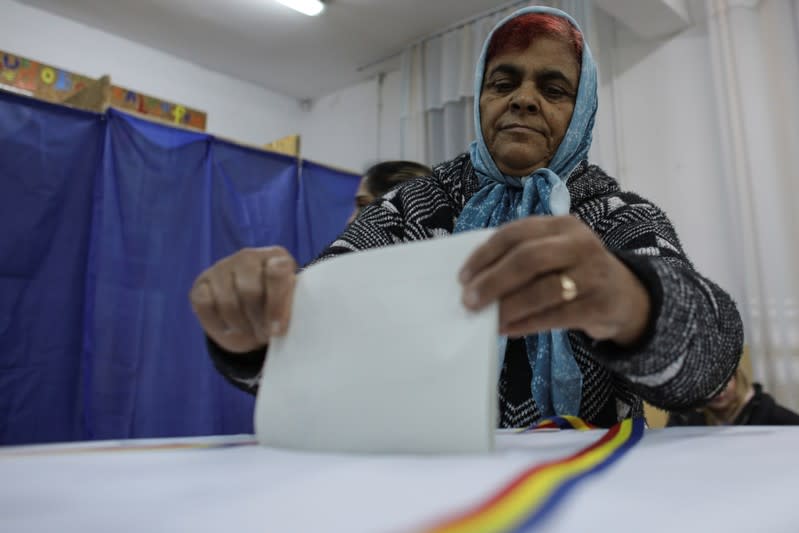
{"points": [[694, 339]]}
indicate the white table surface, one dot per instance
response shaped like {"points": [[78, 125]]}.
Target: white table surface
{"points": [[735, 479]]}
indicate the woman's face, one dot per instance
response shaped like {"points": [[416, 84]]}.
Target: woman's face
{"points": [[527, 103], [725, 398], [362, 198]]}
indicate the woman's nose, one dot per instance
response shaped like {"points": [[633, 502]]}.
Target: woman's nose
{"points": [[525, 99]]}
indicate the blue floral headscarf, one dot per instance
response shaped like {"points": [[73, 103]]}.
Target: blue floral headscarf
{"points": [[557, 380]]}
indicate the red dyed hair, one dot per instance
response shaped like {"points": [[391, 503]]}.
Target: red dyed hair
{"points": [[519, 33]]}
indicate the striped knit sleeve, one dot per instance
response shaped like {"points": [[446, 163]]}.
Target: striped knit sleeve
{"points": [[416, 210], [696, 335], [378, 224]]}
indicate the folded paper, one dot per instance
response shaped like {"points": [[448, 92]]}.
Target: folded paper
{"points": [[382, 357]]}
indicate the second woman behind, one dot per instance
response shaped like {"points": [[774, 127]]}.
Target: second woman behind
{"points": [[382, 177]]}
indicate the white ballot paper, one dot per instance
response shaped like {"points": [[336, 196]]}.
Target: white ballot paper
{"points": [[382, 357]]}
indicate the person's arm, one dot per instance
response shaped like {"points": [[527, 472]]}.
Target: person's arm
{"points": [[693, 341], [243, 370]]}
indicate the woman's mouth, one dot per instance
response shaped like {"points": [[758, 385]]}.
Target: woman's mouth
{"points": [[520, 128]]}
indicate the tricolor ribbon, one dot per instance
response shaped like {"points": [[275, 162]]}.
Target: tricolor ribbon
{"points": [[523, 503]]}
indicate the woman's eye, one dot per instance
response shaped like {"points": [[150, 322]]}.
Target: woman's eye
{"points": [[554, 91], [502, 86]]}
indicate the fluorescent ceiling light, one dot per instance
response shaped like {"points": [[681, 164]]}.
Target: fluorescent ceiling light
{"points": [[306, 7]]}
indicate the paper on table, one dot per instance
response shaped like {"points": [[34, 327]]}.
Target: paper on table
{"points": [[381, 356]]}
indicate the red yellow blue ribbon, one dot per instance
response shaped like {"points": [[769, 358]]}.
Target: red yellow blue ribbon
{"points": [[523, 503]]}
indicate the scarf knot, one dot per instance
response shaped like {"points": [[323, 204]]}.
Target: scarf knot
{"points": [[557, 380]]}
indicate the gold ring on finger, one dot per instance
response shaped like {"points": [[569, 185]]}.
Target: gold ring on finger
{"points": [[568, 288]]}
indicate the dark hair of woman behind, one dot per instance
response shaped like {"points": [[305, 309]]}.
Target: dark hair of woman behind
{"points": [[382, 177]]}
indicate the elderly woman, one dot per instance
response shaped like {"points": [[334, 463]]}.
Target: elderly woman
{"points": [[599, 306]]}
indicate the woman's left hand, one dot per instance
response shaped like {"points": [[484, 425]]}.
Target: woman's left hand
{"points": [[554, 273]]}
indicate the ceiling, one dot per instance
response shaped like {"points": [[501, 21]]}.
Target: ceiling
{"points": [[266, 43]]}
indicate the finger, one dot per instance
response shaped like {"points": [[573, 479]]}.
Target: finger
{"points": [[585, 313], [279, 279], [509, 236], [519, 267], [206, 310], [569, 315], [202, 302], [250, 289], [227, 303], [540, 295]]}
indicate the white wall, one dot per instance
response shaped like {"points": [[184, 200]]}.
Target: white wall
{"points": [[341, 129], [657, 133], [355, 127], [237, 110], [391, 109]]}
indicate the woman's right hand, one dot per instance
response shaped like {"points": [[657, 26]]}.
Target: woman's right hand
{"points": [[244, 299]]}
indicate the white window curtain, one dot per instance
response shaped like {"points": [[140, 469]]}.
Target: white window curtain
{"points": [[437, 84], [755, 57]]}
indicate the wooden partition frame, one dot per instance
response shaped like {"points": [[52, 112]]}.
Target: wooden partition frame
{"points": [[96, 96]]}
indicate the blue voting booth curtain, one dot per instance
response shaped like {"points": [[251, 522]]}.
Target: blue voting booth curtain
{"points": [[107, 220], [45, 219], [327, 199]]}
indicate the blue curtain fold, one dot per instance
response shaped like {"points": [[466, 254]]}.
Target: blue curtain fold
{"points": [[107, 220], [326, 203], [45, 214]]}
